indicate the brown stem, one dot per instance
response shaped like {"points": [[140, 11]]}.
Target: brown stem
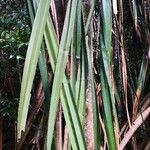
{"points": [[134, 127]]}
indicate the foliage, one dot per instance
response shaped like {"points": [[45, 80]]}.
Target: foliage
{"points": [[92, 88], [14, 34]]}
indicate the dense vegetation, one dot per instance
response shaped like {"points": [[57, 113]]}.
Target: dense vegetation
{"points": [[14, 36], [81, 79]]}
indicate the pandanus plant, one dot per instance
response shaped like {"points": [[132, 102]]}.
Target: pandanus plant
{"points": [[86, 49]]}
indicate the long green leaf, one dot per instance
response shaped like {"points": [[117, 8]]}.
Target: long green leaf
{"points": [[52, 47], [31, 63], [105, 68], [60, 69], [41, 63]]}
